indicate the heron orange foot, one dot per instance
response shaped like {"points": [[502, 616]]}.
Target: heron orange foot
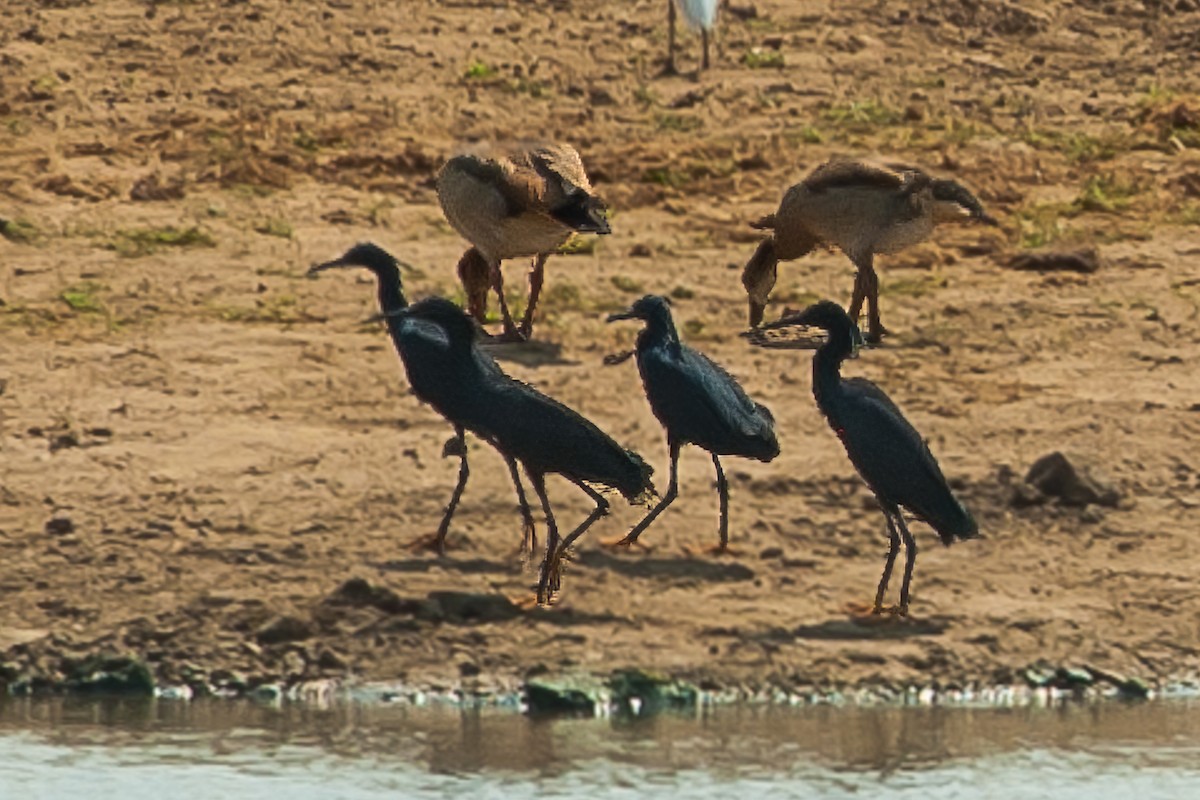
{"points": [[430, 541], [623, 543]]}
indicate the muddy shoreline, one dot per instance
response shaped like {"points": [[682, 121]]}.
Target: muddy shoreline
{"points": [[200, 449]]}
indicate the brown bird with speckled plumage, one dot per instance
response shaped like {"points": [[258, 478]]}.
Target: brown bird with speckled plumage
{"points": [[525, 202], [861, 209]]}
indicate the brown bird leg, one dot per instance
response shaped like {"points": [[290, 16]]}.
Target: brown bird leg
{"points": [[537, 277], [670, 68], [528, 531], [599, 511], [758, 279], [473, 273], [854, 310], [910, 548], [510, 328], [437, 542], [875, 329], [672, 493], [893, 549], [539, 487]]}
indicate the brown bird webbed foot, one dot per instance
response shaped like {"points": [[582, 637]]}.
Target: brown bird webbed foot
{"points": [[874, 336], [510, 336]]}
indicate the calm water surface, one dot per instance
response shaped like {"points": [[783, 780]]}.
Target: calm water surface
{"points": [[225, 749]]}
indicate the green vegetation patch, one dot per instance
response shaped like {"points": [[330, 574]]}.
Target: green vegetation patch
{"points": [[19, 231], [143, 241], [83, 297], [758, 58]]}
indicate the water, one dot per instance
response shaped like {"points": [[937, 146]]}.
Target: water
{"points": [[223, 749]]}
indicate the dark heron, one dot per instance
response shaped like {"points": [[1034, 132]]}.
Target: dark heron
{"points": [[544, 435], [886, 450], [863, 210], [424, 349], [698, 403]]}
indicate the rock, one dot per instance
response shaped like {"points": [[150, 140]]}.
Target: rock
{"points": [[460, 607], [59, 525], [572, 694], [360, 593], [283, 629], [1071, 482], [1086, 261], [1127, 687], [642, 692], [108, 675], [1073, 678], [331, 660]]}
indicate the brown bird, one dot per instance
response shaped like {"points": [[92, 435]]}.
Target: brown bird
{"points": [[861, 209], [527, 202]]}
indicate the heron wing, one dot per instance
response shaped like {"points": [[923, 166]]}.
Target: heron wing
{"points": [[891, 455], [698, 401]]}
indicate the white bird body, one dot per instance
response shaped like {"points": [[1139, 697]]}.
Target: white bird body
{"points": [[700, 14]]}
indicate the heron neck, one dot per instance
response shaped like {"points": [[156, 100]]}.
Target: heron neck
{"points": [[660, 331], [391, 292], [827, 366]]}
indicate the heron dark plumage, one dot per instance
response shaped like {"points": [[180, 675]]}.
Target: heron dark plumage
{"points": [[697, 403], [544, 435], [424, 349], [884, 447]]}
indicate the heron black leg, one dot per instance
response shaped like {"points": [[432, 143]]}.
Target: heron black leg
{"points": [[910, 548], [537, 277], [667, 499], [528, 532], [539, 487], [599, 511], [889, 562], [670, 70], [497, 278], [704, 39], [456, 445], [723, 493]]}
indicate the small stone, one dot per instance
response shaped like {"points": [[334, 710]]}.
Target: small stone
{"points": [[331, 660], [459, 607], [283, 629], [1085, 261], [59, 525], [1070, 481]]}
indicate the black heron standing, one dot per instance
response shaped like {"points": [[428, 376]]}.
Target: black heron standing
{"points": [[697, 403], [544, 435], [884, 447], [424, 349]]}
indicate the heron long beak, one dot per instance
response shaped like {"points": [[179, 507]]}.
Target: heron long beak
{"points": [[337, 262], [620, 315], [988, 219], [786, 322]]}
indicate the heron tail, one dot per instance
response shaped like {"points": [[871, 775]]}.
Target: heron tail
{"points": [[957, 525]]}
